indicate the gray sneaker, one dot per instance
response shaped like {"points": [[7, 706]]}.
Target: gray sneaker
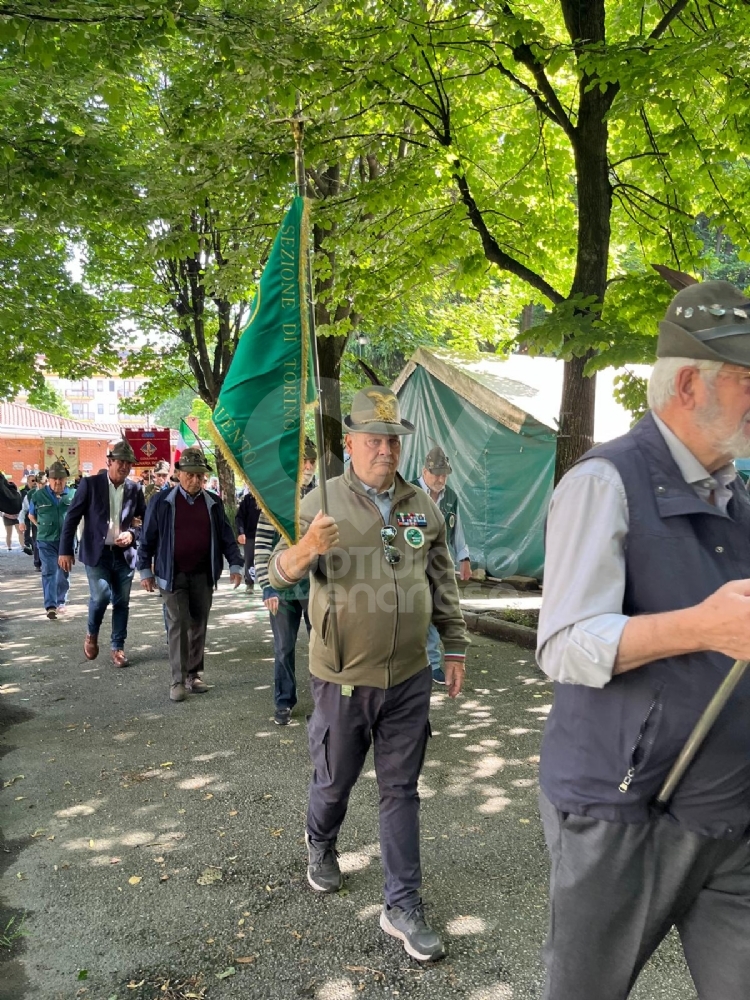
{"points": [[323, 872], [410, 926]]}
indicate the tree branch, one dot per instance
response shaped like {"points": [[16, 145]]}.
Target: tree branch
{"points": [[492, 250]]}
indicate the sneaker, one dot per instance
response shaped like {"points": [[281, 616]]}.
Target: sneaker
{"points": [[194, 685], [410, 926], [438, 676], [282, 716], [323, 872], [177, 692], [52, 613]]}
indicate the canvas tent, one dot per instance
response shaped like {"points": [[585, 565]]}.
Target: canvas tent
{"points": [[496, 420]]}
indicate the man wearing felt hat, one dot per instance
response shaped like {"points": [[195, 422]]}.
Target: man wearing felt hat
{"points": [[646, 605], [386, 552], [160, 480], [47, 508], [433, 481], [185, 538], [112, 509]]}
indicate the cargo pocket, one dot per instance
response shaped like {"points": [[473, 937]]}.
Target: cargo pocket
{"points": [[425, 741], [318, 737]]}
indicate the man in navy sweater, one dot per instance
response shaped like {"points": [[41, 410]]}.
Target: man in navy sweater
{"points": [[112, 508], [184, 541]]}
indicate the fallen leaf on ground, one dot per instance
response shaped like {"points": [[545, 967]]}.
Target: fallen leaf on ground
{"points": [[115, 861], [135, 986], [38, 833], [210, 875], [231, 971], [91, 842], [52, 837], [21, 876], [164, 878], [134, 879], [278, 832], [208, 795], [247, 960], [158, 861], [233, 812], [167, 763]]}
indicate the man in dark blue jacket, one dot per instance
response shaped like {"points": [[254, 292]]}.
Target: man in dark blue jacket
{"points": [[112, 508], [646, 605], [182, 548]]}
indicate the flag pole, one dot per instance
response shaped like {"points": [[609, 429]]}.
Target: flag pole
{"points": [[298, 130]]}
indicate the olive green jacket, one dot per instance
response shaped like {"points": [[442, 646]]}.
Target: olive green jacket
{"points": [[383, 610]]}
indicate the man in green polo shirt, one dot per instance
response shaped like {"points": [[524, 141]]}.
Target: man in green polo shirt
{"points": [[47, 509]]}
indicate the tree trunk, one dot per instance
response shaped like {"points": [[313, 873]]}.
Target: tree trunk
{"points": [[225, 473], [330, 350], [590, 140], [576, 433]]}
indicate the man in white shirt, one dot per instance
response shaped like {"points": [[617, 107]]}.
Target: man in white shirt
{"points": [[112, 507]]}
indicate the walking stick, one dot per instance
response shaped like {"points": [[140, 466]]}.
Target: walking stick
{"points": [[700, 732], [299, 162]]}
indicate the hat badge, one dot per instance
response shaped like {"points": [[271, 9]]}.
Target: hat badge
{"points": [[385, 408]]}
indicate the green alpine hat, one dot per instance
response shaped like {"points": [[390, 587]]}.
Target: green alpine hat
{"points": [[121, 450], [58, 471], [376, 410], [311, 452], [437, 462], [708, 321], [193, 460], [161, 468]]}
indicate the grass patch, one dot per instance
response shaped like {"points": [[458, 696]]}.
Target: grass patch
{"points": [[13, 931], [528, 617]]}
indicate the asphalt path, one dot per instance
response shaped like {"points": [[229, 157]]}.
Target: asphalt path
{"points": [[155, 850]]}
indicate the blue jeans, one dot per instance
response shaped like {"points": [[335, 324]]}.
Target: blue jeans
{"points": [[55, 582], [285, 625], [109, 581], [434, 653]]}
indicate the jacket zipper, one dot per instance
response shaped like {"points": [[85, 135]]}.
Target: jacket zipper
{"points": [[630, 774], [395, 629]]}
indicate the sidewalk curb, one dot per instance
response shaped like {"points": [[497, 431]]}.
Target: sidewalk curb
{"points": [[521, 635]]}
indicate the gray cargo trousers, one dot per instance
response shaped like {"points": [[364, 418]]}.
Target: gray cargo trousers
{"points": [[340, 731], [616, 889]]}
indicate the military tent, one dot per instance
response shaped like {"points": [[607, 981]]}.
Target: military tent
{"points": [[496, 419]]}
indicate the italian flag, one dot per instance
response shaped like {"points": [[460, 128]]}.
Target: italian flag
{"points": [[185, 439]]}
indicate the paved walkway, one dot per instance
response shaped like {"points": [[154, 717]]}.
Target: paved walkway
{"points": [[157, 850]]}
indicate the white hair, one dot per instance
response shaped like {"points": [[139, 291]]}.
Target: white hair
{"points": [[662, 384]]}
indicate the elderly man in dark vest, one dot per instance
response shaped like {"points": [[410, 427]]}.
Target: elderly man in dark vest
{"points": [[646, 605], [433, 481], [185, 538]]}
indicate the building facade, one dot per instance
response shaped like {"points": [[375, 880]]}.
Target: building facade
{"points": [[100, 398]]}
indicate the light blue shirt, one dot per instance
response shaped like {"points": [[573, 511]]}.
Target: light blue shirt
{"points": [[190, 499], [581, 620], [383, 499]]}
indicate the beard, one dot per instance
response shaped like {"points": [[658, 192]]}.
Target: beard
{"points": [[733, 443]]}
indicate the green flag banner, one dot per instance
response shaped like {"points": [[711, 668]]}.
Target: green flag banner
{"points": [[259, 420]]}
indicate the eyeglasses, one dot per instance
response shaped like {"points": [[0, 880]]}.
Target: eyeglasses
{"points": [[392, 555]]}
